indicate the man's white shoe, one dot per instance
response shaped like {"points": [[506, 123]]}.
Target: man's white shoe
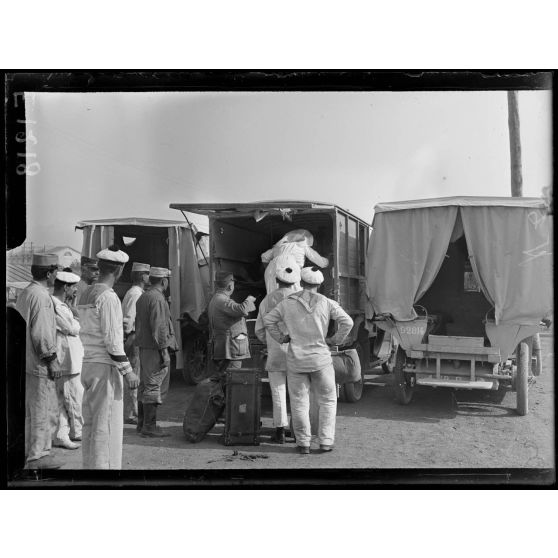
{"points": [[68, 444]]}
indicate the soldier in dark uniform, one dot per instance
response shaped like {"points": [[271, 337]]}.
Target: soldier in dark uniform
{"points": [[155, 339], [227, 325]]}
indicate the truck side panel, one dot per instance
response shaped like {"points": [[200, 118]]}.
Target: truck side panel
{"points": [[352, 244]]}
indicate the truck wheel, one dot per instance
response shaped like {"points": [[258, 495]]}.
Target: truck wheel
{"points": [[537, 354], [404, 383], [195, 359], [341, 393], [522, 379], [353, 391]]}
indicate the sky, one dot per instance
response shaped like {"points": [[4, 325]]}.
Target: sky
{"points": [[106, 155]]}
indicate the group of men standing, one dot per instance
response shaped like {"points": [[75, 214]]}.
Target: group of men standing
{"points": [[49, 365], [293, 321], [93, 363], [77, 368]]}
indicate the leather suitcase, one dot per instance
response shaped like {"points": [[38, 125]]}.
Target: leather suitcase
{"points": [[243, 406]]}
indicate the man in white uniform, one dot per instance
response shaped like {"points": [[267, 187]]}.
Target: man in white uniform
{"points": [[306, 315], [69, 357], [104, 365], [294, 247], [36, 307], [140, 279], [276, 363]]}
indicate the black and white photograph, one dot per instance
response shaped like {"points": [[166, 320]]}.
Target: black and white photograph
{"points": [[283, 278]]}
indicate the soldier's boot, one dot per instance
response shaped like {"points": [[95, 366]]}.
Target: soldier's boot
{"points": [[140, 416], [150, 428], [279, 436]]}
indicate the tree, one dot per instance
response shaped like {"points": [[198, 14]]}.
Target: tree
{"points": [[515, 145]]}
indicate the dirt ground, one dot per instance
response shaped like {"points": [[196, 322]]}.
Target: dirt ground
{"points": [[441, 428]]}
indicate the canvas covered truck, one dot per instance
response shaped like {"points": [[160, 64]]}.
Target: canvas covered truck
{"points": [[240, 232], [465, 286], [176, 245]]}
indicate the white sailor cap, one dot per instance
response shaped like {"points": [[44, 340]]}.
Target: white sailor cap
{"points": [[67, 277], [159, 272], [312, 275], [288, 274], [113, 255], [136, 266]]}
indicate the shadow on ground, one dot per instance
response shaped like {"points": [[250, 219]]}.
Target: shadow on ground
{"points": [[429, 405], [213, 440]]}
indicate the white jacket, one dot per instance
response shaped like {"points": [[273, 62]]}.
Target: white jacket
{"points": [[282, 254], [69, 349], [306, 317]]}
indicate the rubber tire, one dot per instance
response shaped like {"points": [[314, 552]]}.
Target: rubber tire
{"points": [[522, 379], [195, 359], [402, 390], [354, 390], [537, 353]]}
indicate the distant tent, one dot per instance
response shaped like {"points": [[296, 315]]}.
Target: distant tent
{"points": [[17, 278], [16, 273]]}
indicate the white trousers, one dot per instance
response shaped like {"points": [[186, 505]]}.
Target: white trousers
{"points": [[278, 385], [70, 394], [319, 389], [131, 395], [41, 415], [103, 416]]}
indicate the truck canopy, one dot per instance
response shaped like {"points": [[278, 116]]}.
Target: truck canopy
{"points": [[199, 224], [211, 208], [508, 244], [460, 201], [257, 209]]}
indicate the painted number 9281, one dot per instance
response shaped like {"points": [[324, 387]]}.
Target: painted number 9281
{"points": [[412, 330]]}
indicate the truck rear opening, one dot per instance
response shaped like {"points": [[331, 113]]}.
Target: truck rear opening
{"points": [[241, 233], [175, 245], [142, 244], [237, 244]]}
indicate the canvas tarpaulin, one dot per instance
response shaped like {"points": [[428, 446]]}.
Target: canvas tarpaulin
{"points": [[509, 243], [510, 250], [188, 288], [95, 238], [192, 296], [405, 253]]}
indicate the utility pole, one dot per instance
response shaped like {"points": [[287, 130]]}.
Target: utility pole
{"points": [[515, 145]]}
